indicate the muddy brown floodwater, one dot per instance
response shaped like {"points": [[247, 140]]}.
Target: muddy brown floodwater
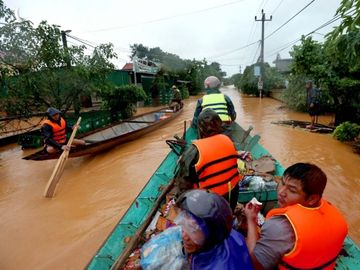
{"points": [[95, 191]]}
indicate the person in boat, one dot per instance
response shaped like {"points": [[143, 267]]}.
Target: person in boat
{"points": [[215, 100], [313, 102], [202, 239], [206, 222], [176, 101], [54, 131], [305, 232], [210, 162]]}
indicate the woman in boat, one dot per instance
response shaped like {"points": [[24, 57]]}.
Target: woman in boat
{"points": [[203, 240], [305, 232], [206, 222], [210, 162], [54, 131]]}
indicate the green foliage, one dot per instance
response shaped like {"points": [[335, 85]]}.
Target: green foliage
{"points": [[235, 80], [346, 131], [189, 70], [248, 82], [42, 65], [308, 58], [274, 79], [122, 99], [295, 94], [184, 90]]}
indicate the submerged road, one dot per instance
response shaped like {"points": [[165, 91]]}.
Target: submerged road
{"points": [[94, 192]]}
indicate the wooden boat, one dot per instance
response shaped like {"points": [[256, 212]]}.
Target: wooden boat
{"points": [[116, 249], [109, 136], [318, 128]]}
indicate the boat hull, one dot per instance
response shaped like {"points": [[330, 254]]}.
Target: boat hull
{"points": [[111, 251], [107, 137]]}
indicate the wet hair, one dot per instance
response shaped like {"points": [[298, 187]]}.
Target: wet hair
{"points": [[209, 123], [212, 82], [312, 178]]}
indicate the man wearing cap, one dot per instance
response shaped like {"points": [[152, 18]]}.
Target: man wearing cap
{"points": [[312, 101], [54, 131], [176, 102], [211, 162], [215, 100]]}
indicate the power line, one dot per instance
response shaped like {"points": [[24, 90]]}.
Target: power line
{"points": [[334, 19], [290, 19], [272, 13], [167, 18], [234, 50], [81, 41], [88, 43], [286, 45], [256, 52]]}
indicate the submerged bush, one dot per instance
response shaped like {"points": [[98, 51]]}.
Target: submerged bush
{"points": [[346, 131]]}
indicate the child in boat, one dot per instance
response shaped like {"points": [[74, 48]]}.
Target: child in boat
{"points": [[208, 240]]}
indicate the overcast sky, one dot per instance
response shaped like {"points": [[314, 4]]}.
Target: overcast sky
{"points": [[211, 29]]}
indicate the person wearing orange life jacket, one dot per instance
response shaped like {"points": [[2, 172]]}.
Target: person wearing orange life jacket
{"points": [[215, 100], [54, 131], [306, 232], [211, 162]]}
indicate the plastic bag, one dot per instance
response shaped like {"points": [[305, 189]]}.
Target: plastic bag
{"points": [[164, 251]]}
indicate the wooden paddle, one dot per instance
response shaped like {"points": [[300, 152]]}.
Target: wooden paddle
{"points": [[59, 168]]}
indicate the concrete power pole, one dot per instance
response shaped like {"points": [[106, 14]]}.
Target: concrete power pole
{"points": [[64, 41], [262, 68]]}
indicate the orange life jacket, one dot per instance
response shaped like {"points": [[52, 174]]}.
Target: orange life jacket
{"points": [[319, 236], [217, 165], [59, 131]]}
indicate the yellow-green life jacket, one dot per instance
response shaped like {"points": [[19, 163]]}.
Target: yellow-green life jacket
{"points": [[216, 102]]}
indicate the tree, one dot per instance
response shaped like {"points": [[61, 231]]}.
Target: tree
{"points": [[248, 81], [40, 63], [122, 99]]}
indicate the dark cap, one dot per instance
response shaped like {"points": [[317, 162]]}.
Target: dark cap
{"points": [[209, 123], [52, 111]]}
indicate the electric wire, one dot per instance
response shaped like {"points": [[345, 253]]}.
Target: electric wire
{"points": [[334, 19], [285, 23], [277, 7], [167, 18]]}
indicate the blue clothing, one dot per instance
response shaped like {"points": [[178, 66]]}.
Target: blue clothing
{"points": [[231, 254], [313, 96], [198, 109]]}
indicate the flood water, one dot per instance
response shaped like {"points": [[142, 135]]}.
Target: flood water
{"points": [[94, 192]]}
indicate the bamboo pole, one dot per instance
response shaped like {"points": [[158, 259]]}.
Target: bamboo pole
{"points": [[59, 168]]}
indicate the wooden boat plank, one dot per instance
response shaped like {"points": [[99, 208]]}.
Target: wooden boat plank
{"points": [[318, 128]]}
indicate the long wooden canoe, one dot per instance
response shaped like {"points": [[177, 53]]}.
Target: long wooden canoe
{"points": [[118, 244], [107, 137]]}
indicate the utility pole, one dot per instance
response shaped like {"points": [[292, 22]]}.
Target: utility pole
{"points": [[134, 68], [262, 68], [64, 41]]}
